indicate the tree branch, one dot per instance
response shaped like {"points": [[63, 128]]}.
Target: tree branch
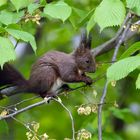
{"points": [[70, 114], [24, 109], [122, 38], [109, 45]]}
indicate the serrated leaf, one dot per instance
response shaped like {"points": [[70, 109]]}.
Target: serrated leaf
{"points": [[109, 13], [122, 68], [10, 17], [21, 3], [138, 82], [25, 36], [132, 49], [134, 5], [58, 10], [7, 51]]}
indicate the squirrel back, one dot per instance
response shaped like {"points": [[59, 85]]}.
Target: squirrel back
{"points": [[50, 69]]}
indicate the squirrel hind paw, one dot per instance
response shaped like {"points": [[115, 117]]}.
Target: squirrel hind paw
{"points": [[47, 99]]}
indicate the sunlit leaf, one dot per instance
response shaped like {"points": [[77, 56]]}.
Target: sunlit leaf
{"points": [[132, 49], [59, 10], [10, 17], [109, 13], [134, 5], [2, 2], [21, 3], [25, 36], [122, 68], [7, 51]]}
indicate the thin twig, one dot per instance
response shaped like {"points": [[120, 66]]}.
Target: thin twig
{"points": [[121, 39], [23, 101], [100, 111], [16, 112], [25, 108], [25, 125], [71, 117], [10, 91], [107, 46]]}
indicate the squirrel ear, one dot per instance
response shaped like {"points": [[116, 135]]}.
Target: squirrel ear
{"points": [[89, 40], [85, 41]]}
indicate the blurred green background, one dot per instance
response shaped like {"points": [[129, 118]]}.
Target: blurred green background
{"points": [[122, 123]]}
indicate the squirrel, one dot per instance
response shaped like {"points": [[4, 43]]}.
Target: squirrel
{"points": [[52, 71]]}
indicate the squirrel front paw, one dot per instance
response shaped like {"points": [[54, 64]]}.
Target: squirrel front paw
{"points": [[88, 81]]}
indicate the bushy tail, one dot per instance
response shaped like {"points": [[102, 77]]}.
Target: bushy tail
{"points": [[12, 79]]}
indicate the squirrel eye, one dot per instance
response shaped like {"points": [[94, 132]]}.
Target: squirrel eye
{"points": [[87, 61]]}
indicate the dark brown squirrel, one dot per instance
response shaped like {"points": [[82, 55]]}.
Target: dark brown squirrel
{"points": [[53, 71]]}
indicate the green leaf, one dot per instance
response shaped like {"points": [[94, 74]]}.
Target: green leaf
{"points": [[76, 15], [86, 17], [90, 24], [59, 10], [134, 5], [3, 127], [120, 113], [25, 36], [21, 3], [10, 17], [138, 82], [2, 30], [122, 68], [2, 2], [7, 51], [132, 49], [32, 7], [109, 13]]}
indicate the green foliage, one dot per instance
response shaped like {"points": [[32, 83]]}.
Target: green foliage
{"points": [[138, 82], [120, 113], [32, 7], [23, 19], [3, 127], [109, 13], [25, 36], [7, 52], [122, 68], [134, 5], [90, 24], [10, 17], [59, 10], [2, 2], [21, 3], [78, 17], [132, 49]]}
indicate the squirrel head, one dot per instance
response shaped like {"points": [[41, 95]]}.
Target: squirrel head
{"points": [[83, 55]]}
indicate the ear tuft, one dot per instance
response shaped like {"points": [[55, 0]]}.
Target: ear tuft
{"points": [[85, 41], [83, 38], [89, 40]]}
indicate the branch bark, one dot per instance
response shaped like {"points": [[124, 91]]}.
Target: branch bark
{"points": [[110, 44], [127, 22], [24, 109]]}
